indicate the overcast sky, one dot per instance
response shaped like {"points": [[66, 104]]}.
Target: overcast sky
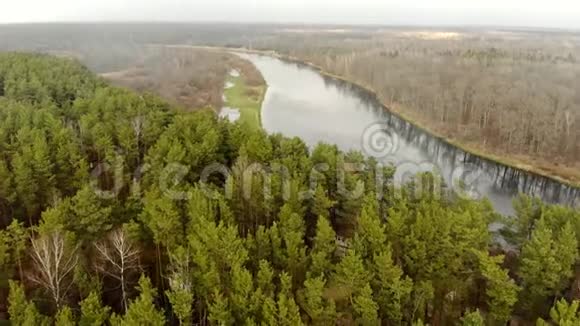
{"points": [[532, 13]]}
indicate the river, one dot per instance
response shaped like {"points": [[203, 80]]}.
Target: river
{"points": [[304, 103]]}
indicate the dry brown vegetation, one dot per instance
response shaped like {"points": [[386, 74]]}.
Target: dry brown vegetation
{"points": [[511, 96], [190, 77]]}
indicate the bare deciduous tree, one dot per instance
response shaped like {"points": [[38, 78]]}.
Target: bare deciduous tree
{"points": [[54, 261], [117, 258]]}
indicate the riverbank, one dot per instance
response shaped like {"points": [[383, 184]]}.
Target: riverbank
{"points": [[246, 98], [564, 175]]}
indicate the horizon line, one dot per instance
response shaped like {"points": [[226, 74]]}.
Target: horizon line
{"points": [[294, 23]]}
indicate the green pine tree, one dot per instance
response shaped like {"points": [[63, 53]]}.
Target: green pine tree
{"points": [[351, 276], [473, 318], [501, 290], [142, 310], [324, 248], [365, 309], [563, 314], [219, 312], [65, 317], [320, 310], [391, 289], [546, 264], [92, 311]]}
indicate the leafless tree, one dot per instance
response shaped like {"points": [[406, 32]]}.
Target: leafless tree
{"points": [[118, 258], [54, 261]]}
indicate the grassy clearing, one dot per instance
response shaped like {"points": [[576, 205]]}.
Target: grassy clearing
{"points": [[248, 99]]}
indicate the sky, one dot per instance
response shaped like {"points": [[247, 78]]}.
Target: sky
{"points": [[521, 13]]}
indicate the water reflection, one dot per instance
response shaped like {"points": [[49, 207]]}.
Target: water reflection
{"points": [[301, 102], [229, 113]]}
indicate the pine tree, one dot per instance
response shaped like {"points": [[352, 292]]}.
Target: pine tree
{"points": [[501, 290], [366, 310], [25, 183], [288, 311], [161, 215], [545, 264], [92, 311], [391, 289], [56, 218], [33, 318], [323, 249], [241, 291], [5, 257], [321, 204], [43, 166], [142, 310], [566, 247], [396, 227], [221, 244], [21, 311], [473, 318], [278, 252], [265, 278], [563, 314], [102, 140], [321, 311], [219, 312], [181, 300], [7, 191], [261, 245], [248, 188], [269, 312], [91, 218], [215, 250], [129, 144], [201, 209], [13, 242], [370, 237], [64, 317], [258, 147], [17, 303], [292, 231], [71, 167], [351, 275]]}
